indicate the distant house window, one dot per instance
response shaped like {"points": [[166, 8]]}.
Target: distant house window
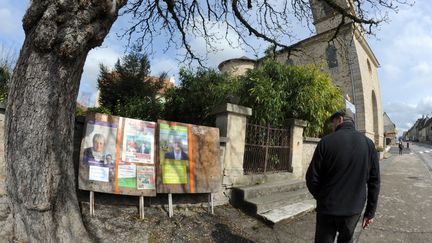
{"points": [[331, 56], [289, 61]]}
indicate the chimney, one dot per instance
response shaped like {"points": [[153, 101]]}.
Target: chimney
{"points": [[172, 80]]}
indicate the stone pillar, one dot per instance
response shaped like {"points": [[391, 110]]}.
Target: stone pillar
{"points": [[296, 146], [231, 120]]}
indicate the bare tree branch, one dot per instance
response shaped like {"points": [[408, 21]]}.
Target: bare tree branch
{"points": [[273, 21]]}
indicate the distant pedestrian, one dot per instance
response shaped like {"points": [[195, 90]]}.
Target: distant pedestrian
{"points": [[344, 165], [400, 148], [407, 145]]}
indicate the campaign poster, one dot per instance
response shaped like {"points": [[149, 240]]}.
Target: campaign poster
{"points": [[127, 176], [100, 144], [174, 172], [174, 158], [145, 177], [138, 141]]}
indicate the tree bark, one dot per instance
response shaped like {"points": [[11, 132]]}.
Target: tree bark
{"points": [[40, 116]]}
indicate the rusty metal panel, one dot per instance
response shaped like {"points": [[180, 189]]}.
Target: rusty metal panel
{"points": [[197, 168]]}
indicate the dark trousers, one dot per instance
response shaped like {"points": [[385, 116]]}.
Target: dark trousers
{"points": [[328, 225]]}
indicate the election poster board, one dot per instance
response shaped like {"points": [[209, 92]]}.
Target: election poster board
{"points": [[188, 158], [118, 156]]}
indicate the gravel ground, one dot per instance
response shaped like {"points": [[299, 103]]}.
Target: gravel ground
{"points": [[121, 223], [191, 224]]}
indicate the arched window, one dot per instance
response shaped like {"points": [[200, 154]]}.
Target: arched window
{"points": [[331, 56]]}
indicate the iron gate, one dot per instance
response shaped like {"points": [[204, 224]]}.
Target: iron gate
{"points": [[267, 149]]}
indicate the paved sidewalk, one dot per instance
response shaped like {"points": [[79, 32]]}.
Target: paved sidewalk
{"points": [[404, 211]]}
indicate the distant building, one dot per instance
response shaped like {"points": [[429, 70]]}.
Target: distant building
{"points": [[390, 133], [168, 83], [428, 128], [421, 131], [425, 132], [348, 59]]}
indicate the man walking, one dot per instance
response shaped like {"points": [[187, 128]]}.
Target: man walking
{"points": [[400, 148], [343, 165]]}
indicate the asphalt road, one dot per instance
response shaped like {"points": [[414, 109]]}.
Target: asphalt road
{"points": [[404, 208], [424, 152]]}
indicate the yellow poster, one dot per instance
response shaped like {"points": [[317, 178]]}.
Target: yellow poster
{"points": [[174, 172]]}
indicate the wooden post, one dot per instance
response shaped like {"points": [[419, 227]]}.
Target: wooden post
{"points": [[170, 206], [91, 203], [211, 203], [141, 207]]}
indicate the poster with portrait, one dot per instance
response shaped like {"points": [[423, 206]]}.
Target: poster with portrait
{"points": [[138, 141], [97, 164], [100, 148], [173, 156], [108, 165], [189, 159]]}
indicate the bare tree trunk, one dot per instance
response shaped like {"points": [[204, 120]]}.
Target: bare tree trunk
{"points": [[41, 112]]}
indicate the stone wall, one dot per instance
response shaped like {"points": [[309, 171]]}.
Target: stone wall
{"points": [[309, 145], [367, 68], [313, 51], [231, 120]]}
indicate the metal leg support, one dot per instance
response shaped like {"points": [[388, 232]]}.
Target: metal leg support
{"points": [[141, 207], [170, 205]]}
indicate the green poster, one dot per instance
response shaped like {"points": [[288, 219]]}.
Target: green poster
{"points": [[174, 172], [127, 175], [127, 182]]}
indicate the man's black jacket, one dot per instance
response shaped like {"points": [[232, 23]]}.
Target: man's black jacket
{"points": [[344, 163]]}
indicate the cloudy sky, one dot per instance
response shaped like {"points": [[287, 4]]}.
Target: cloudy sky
{"points": [[403, 47]]}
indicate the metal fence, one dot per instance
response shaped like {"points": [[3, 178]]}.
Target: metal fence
{"points": [[267, 150]]}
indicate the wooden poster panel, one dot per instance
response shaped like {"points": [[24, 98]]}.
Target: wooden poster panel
{"points": [[117, 156], [188, 158]]}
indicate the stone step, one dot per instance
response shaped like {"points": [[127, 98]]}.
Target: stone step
{"points": [[268, 188], [288, 212], [268, 202]]}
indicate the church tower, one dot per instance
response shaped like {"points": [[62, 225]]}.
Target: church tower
{"points": [[325, 17], [350, 54], [347, 58]]}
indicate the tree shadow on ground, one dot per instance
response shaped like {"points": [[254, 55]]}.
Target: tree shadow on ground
{"points": [[223, 233]]}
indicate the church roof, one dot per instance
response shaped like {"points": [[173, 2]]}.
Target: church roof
{"points": [[242, 58], [311, 39]]}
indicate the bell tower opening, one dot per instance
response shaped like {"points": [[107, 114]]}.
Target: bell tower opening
{"points": [[325, 17]]}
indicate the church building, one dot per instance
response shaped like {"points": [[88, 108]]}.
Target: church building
{"points": [[347, 57]]}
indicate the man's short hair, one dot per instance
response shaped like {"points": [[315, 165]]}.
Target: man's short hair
{"points": [[347, 115]]}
